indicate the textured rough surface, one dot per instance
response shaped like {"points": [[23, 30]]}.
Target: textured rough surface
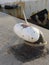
{"points": [[12, 49]]}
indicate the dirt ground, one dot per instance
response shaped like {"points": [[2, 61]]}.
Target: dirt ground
{"points": [[13, 51]]}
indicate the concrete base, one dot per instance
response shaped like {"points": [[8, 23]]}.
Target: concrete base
{"points": [[12, 49]]}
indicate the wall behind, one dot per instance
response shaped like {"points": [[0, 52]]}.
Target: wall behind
{"points": [[35, 6], [31, 6]]}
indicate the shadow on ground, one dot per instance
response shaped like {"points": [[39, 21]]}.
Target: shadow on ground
{"points": [[25, 53]]}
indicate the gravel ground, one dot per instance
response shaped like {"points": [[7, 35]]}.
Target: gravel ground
{"points": [[13, 51]]}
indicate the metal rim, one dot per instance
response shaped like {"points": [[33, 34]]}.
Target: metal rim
{"points": [[41, 44]]}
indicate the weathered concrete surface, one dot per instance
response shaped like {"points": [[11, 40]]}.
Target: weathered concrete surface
{"points": [[8, 39]]}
